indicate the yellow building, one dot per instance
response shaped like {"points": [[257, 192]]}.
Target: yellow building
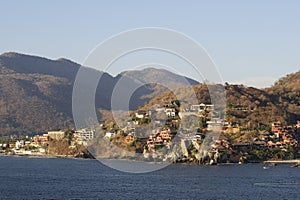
{"points": [[56, 135]]}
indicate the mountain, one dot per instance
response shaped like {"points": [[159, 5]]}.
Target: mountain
{"points": [[33, 98], [286, 91], [36, 92], [153, 75], [154, 81], [249, 107], [27, 64], [253, 107]]}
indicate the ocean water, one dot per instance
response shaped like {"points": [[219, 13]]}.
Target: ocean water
{"points": [[52, 178]]}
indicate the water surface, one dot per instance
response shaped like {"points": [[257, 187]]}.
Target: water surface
{"points": [[52, 178]]}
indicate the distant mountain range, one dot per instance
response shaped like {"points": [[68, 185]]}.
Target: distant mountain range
{"points": [[36, 92]]}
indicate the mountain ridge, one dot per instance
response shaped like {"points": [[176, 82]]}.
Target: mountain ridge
{"points": [[36, 94], [39, 91]]}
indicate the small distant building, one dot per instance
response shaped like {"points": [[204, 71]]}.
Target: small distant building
{"points": [[40, 139], [165, 135], [215, 124], [19, 144], [42, 150], [129, 138], [298, 126], [56, 135], [142, 114], [276, 127], [170, 112], [195, 138], [202, 107], [198, 137], [110, 134], [85, 134]]}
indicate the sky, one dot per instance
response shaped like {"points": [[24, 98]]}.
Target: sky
{"points": [[251, 42]]}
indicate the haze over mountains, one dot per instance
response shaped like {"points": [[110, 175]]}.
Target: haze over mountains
{"points": [[36, 94]]}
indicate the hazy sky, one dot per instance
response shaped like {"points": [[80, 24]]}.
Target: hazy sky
{"points": [[252, 42]]}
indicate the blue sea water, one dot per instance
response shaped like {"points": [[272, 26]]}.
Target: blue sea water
{"points": [[52, 178]]}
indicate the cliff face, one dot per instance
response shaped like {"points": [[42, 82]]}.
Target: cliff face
{"points": [[62, 148]]}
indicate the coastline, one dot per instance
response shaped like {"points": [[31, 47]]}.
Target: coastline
{"points": [[44, 156], [294, 162]]}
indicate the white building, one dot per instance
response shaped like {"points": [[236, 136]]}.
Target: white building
{"points": [[110, 134], [202, 107], [19, 144], [215, 124], [170, 112], [85, 134]]}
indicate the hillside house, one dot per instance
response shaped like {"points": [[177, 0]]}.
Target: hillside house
{"points": [[41, 139], [165, 135], [56, 135], [276, 127], [129, 138], [170, 112], [85, 134], [298, 126], [202, 107], [110, 134], [142, 114]]}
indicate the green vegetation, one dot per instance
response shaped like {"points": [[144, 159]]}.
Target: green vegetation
{"points": [[268, 154]]}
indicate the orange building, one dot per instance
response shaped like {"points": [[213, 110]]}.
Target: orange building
{"points": [[276, 127]]}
